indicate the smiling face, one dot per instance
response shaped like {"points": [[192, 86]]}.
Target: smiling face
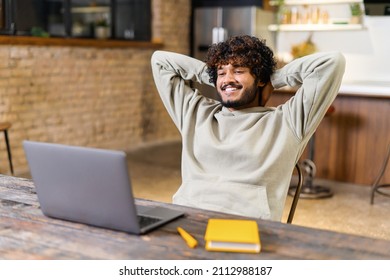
{"points": [[240, 68], [237, 87]]}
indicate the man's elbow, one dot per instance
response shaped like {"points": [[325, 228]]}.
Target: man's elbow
{"points": [[338, 61]]}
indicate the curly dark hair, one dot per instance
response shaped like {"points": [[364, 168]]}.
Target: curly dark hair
{"points": [[244, 50]]}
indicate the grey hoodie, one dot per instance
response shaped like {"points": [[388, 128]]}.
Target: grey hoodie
{"points": [[241, 162]]}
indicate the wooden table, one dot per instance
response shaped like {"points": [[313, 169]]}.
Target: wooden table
{"points": [[25, 233]]}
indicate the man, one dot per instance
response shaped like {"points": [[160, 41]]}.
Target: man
{"points": [[238, 155]]}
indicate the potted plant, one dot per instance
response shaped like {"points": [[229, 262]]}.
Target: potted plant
{"points": [[102, 29], [356, 13]]}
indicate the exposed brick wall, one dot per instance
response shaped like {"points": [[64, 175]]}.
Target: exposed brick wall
{"points": [[172, 26], [88, 96]]}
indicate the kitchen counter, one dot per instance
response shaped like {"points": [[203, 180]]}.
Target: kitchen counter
{"points": [[366, 88], [351, 142], [356, 88]]}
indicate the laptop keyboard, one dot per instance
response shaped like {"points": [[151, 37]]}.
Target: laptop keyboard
{"points": [[146, 220]]}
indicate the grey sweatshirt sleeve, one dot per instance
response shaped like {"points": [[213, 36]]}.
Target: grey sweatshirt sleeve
{"points": [[172, 73], [318, 78]]}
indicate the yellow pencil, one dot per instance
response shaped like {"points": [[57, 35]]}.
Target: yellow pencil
{"points": [[191, 242]]}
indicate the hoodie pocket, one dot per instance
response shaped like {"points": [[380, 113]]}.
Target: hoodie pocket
{"points": [[234, 198]]}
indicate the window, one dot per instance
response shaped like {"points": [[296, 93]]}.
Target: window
{"points": [[119, 19]]}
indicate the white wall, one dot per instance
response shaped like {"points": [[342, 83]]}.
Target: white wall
{"points": [[367, 51]]}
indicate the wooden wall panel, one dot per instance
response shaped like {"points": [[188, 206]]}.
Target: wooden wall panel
{"points": [[351, 142]]}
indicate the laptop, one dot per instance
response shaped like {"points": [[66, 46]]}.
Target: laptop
{"points": [[90, 186]]}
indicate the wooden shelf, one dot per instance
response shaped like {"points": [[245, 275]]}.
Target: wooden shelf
{"points": [[314, 2], [76, 42], [314, 27]]}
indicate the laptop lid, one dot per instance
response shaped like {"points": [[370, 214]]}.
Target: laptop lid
{"points": [[87, 185]]}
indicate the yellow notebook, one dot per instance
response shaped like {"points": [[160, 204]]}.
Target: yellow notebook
{"points": [[232, 236]]}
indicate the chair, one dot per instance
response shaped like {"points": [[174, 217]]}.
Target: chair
{"points": [[297, 192], [310, 190], [376, 187], [4, 126]]}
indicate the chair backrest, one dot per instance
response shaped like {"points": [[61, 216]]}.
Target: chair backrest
{"points": [[296, 194], [384, 166], [376, 186]]}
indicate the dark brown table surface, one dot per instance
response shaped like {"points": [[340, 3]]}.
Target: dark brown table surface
{"points": [[25, 233]]}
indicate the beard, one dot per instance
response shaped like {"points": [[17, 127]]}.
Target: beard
{"points": [[247, 97]]}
